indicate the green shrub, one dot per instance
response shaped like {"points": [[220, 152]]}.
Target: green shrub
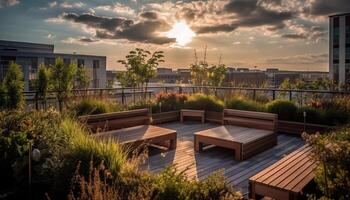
{"points": [[204, 102], [334, 117], [144, 104], [92, 106], [242, 103], [286, 110], [170, 101], [14, 86], [332, 153], [313, 115], [17, 128]]}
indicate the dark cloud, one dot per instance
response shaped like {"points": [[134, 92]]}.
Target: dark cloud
{"points": [[328, 7], [215, 28], [145, 31], [149, 15], [88, 40], [8, 3], [250, 13], [294, 36]]}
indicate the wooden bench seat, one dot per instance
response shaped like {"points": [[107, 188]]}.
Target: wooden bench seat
{"points": [[116, 120], [138, 135], [286, 178], [192, 113], [248, 133]]}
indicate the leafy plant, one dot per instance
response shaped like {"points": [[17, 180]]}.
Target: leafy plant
{"points": [[14, 86], [332, 154], [43, 84], [204, 102], [241, 103], [91, 106], [82, 78], [170, 101], [63, 79], [286, 110]]}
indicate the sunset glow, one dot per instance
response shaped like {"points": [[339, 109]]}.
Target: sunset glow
{"points": [[182, 33]]}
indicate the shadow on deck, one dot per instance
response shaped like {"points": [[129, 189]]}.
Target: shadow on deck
{"points": [[200, 165]]}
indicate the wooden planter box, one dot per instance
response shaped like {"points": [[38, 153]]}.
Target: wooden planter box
{"points": [[163, 117], [214, 117], [298, 127]]}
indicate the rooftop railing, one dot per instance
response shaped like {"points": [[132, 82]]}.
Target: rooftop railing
{"points": [[132, 95]]}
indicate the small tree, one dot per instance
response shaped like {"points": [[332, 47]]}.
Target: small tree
{"points": [[217, 74], [63, 79], [140, 67], [14, 86], [3, 97], [43, 84], [82, 78]]}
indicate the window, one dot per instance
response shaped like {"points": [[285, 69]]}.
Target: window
{"points": [[347, 73], [81, 63], [336, 31], [96, 66], [336, 73], [4, 64], [66, 61], [347, 29], [49, 61], [336, 55]]}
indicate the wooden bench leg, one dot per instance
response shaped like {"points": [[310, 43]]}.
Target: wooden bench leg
{"points": [[173, 143], [203, 120], [198, 146], [238, 154]]}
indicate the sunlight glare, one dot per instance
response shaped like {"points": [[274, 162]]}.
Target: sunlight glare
{"points": [[182, 33]]}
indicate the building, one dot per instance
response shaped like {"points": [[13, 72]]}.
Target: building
{"points": [[166, 75], [339, 48], [245, 78], [185, 75], [30, 55]]}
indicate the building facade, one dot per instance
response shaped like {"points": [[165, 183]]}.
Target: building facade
{"points": [[339, 48], [30, 55]]}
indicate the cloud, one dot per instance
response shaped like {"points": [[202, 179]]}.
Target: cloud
{"points": [[327, 7], [146, 31], [117, 8], [294, 36], [72, 4], [308, 59], [249, 13], [8, 3], [216, 28], [149, 15]]}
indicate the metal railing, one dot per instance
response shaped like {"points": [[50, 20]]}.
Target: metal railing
{"points": [[130, 95]]}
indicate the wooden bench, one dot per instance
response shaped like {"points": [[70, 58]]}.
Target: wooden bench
{"points": [[192, 113], [248, 133], [116, 120], [285, 179], [138, 135]]}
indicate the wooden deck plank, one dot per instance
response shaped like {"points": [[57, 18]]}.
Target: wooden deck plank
{"points": [[201, 165]]}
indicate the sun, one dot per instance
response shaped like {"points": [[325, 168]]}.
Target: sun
{"points": [[181, 32]]}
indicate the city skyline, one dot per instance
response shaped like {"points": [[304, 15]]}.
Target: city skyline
{"points": [[290, 35]]}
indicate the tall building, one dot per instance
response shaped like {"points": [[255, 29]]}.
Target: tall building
{"points": [[339, 48], [30, 55]]}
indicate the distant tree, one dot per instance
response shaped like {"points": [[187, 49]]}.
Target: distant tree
{"points": [[42, 85], [82, 78], [14, 86], [127, 79], [141, 66], [63, 79], [216, 74]]}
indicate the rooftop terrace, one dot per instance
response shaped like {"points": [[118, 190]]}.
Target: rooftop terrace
{"points": [[201, 165]]}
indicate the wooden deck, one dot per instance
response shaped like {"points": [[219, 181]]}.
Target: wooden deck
{"points": [[200, 165]]}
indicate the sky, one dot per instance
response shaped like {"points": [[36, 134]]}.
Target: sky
{"points": [[287, 34]]}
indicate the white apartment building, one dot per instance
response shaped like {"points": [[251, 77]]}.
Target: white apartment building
{"points": [[30, 55], [339, 47]]}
